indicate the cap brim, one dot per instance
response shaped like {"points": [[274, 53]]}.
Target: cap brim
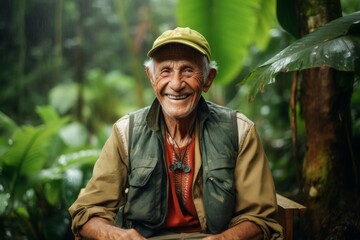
{"points": [[182, 41]]}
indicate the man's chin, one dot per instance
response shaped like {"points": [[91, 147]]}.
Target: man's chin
{"points": [[179, 115]]}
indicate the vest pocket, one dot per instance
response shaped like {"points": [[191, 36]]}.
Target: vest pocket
{"points": [[142, 199], [140, 175], [219, 195], [220, 182]]}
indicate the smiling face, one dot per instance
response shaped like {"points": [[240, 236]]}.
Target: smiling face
{"points": [[178, 80]]}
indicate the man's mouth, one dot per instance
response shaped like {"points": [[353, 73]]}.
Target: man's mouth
{"points": [[177, 97]]}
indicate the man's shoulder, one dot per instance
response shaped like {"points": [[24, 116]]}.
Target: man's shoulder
{"points": [[122, 124], [126, 118], [123, 120], [241, 118], [219, 107]]}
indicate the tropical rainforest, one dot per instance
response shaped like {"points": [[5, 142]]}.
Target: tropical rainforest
{"points": [[70, 68]]}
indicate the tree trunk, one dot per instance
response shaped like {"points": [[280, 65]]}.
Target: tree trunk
{"points": [[330, 170], [20, 81], [79, 60], [134, 47], [58, 38]]}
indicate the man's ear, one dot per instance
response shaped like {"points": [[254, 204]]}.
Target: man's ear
{"points": [[210, 79], [149, 75]]}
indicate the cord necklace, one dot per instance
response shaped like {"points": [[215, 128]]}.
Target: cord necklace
{"points": [[179, 163]]}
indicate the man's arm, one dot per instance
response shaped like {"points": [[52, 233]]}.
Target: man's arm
{"points": [[99, 228], [105, 192], [243, 231], [255, 189]]}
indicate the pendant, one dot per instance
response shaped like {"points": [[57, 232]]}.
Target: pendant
{"points": [[179, 166]]}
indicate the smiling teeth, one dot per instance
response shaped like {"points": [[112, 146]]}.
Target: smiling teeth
{"points": [[177, 97]]}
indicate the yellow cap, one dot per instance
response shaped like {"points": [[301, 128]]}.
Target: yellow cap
{"points": [[186, 36]]}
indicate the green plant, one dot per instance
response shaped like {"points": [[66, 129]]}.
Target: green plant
{"points": [[40, 176]]}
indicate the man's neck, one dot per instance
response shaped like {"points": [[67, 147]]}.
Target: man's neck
{"points": [[180, 130]]}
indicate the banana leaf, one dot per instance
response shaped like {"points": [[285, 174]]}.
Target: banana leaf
{"points": [[231, 27], [336, 44]]}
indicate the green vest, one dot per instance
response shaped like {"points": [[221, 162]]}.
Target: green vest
{"points": [[146, 207]]}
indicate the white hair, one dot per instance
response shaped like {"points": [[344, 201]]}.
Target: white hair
{"points": [[205, 67]]}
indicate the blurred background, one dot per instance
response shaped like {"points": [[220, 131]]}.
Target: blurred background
{"points": [[70, 68]]}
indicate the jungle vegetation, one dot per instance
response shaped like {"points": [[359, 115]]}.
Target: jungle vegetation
{"points": [[69, 69]]}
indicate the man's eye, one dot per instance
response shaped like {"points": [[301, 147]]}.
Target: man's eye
{"points": [[165, 72], [188, 71]]}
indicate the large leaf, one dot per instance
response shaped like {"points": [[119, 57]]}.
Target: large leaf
{"points": [[231, 27], [6, 123], [66, 169], [69, 161], [27, 152], [336, 44], [47, 113]]}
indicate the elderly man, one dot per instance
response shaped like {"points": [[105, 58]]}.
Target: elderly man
{"points": [[182, 168]]}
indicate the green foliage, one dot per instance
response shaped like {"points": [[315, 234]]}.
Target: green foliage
{"points": [[40, 177], [350, 6], [6, 123], [106, 97], [270, 112], [92, 80], [336, 44], [231, 28]]}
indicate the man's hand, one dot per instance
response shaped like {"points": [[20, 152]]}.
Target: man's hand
{"points": [[100, 229], [242, 231], [216, 237]]}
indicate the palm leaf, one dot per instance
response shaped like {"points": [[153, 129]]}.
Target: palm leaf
{"points": [[336, 44], [231, 27]]}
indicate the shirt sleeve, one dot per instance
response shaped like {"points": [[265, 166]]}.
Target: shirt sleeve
{"points": [[255, 190], [105, 192]]}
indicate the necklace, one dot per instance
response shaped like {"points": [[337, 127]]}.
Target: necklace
{"points": [[179, 163]]}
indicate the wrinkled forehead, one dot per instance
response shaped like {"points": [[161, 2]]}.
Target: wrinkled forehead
{"points": [[175, 51]]}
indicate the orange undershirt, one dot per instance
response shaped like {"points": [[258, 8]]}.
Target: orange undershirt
{"points": [[182, 216]]}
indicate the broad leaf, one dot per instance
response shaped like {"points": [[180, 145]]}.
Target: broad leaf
{"points": [[231, 27], [27, 153], [69, 161], [47, 113], [4, 201], [66, 169], [6, 123], [336, 44], [52, 192]]}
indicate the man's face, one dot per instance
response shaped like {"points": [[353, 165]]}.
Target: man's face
{"points": [[179, 81]]}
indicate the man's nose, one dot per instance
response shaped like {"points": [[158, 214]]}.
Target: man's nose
{"points": [[176, 82]]}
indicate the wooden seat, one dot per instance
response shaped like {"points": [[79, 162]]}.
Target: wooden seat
{"points": [[287, 210]]}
